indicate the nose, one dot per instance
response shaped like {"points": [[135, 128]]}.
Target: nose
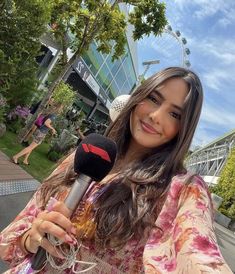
{"points": [[157, 115]]}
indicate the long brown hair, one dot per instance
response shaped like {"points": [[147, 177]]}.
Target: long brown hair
{"points": [[129, 204]]}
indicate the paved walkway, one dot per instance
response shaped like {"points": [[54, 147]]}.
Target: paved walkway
{"points": [[16, 189], [9, 171], [13, 179]]}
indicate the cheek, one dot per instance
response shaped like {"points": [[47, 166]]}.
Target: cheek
{"points": [[137, 114], [141, 108], [172, 129], [133, 119]]}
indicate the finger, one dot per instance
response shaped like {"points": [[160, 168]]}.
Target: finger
{"points": [[56, 218], [56, 231], [34, 241], [62, 208], [51, 249]]}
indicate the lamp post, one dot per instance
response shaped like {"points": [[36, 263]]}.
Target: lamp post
{"points": [[148, 64], [141, 76]]}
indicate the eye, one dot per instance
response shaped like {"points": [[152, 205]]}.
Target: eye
{"points": [[175, 115], [154, 99]]}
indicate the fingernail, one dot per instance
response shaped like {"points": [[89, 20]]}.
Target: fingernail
{"points": [[73, 230], [68, 239], [51, 203]]}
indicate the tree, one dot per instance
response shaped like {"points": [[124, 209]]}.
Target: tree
{"points": [[99, 20], [226, 187], [64, 95], [22, 22]]}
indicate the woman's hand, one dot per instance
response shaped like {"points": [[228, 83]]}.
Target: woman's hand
{"points": [[56, 223], [54, 132]]}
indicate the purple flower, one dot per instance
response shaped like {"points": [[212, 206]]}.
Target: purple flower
{"points": [[19, 112]]}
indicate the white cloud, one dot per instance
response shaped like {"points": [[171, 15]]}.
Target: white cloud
{"points": [[208, 8], [218, 58], [216, 78], [217, 116], [214, 123], [165, 47], [222, 50], [202, 137]]}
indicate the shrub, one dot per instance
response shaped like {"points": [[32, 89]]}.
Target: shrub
{"points": [[16, 118], [54, 156], [226, 187], [3, 105]]}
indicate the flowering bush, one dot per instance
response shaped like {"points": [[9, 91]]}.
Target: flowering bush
{"points": [[3, 104], [17, 118], [19, 112]]}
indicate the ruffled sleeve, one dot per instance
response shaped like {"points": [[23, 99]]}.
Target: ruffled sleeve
{"points": [[10, 250], [186, 242]]}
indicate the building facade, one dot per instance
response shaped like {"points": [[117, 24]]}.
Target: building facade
{"points": [[96, 78]]}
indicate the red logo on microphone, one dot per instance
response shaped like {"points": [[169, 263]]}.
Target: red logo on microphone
{"points": [[97, 151]]}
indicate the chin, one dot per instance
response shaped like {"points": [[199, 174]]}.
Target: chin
{"points": [[148, 145]]}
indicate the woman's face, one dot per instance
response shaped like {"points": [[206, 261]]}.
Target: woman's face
{"points": [[156, 120]]}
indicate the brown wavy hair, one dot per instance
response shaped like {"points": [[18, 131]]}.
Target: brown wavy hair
{"points": [[129, 204]]}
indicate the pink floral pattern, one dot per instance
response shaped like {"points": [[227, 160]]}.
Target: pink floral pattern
{"points": [[184, 244]]}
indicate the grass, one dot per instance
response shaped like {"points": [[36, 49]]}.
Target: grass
{"points": [[40, 166]]}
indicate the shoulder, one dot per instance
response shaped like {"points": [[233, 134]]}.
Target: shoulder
{"points": [[193, 188], [186, 182], [189, 178]]}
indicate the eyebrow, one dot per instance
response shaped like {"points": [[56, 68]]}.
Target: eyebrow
{"points": [[158, 93]]}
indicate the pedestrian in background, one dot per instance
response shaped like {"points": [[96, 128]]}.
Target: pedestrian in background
{"points": [[40, 133]]}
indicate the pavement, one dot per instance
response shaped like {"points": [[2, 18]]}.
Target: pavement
{"points": [[226, 241], [16, 189], [15, 194]]}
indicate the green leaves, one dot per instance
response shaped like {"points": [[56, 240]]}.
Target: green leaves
{"points": [[103, 21], [226, 187], [148, 17], [22, 23], [64, 95]]}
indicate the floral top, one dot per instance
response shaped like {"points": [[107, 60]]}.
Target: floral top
{"points": [[185, 244]]}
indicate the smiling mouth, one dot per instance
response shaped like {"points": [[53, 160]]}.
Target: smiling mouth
{"points": [[147, 128]]}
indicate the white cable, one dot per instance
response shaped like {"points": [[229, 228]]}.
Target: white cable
{"points": [[70, 253]]}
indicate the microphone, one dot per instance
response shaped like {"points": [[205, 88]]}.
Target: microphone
{"points": [[94, 159]]}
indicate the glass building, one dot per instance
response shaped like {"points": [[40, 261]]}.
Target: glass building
{"points": [[114, 78], [98, 80]]}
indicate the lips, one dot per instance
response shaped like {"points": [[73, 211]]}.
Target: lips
{"points": [[149, 129]]}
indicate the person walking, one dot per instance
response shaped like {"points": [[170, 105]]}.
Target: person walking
{"points": [[39, 134]]}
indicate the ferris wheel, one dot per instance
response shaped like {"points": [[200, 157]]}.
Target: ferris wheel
{"points": [[171, 48]]}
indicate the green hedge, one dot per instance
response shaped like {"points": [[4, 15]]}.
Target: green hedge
{"points": [[226, 187]]}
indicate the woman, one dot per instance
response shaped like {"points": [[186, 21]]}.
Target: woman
{"points": [[148, 215], [39, 134]]}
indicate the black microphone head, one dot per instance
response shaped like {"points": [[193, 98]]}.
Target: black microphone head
{"points": [[95, 156]]}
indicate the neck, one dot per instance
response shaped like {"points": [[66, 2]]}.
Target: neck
{"points": [[133, 154]]}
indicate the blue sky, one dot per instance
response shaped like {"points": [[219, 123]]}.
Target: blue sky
{"points": [[209, 27]]}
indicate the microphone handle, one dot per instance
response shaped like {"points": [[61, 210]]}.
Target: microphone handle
{"points": [[75, 195]]}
